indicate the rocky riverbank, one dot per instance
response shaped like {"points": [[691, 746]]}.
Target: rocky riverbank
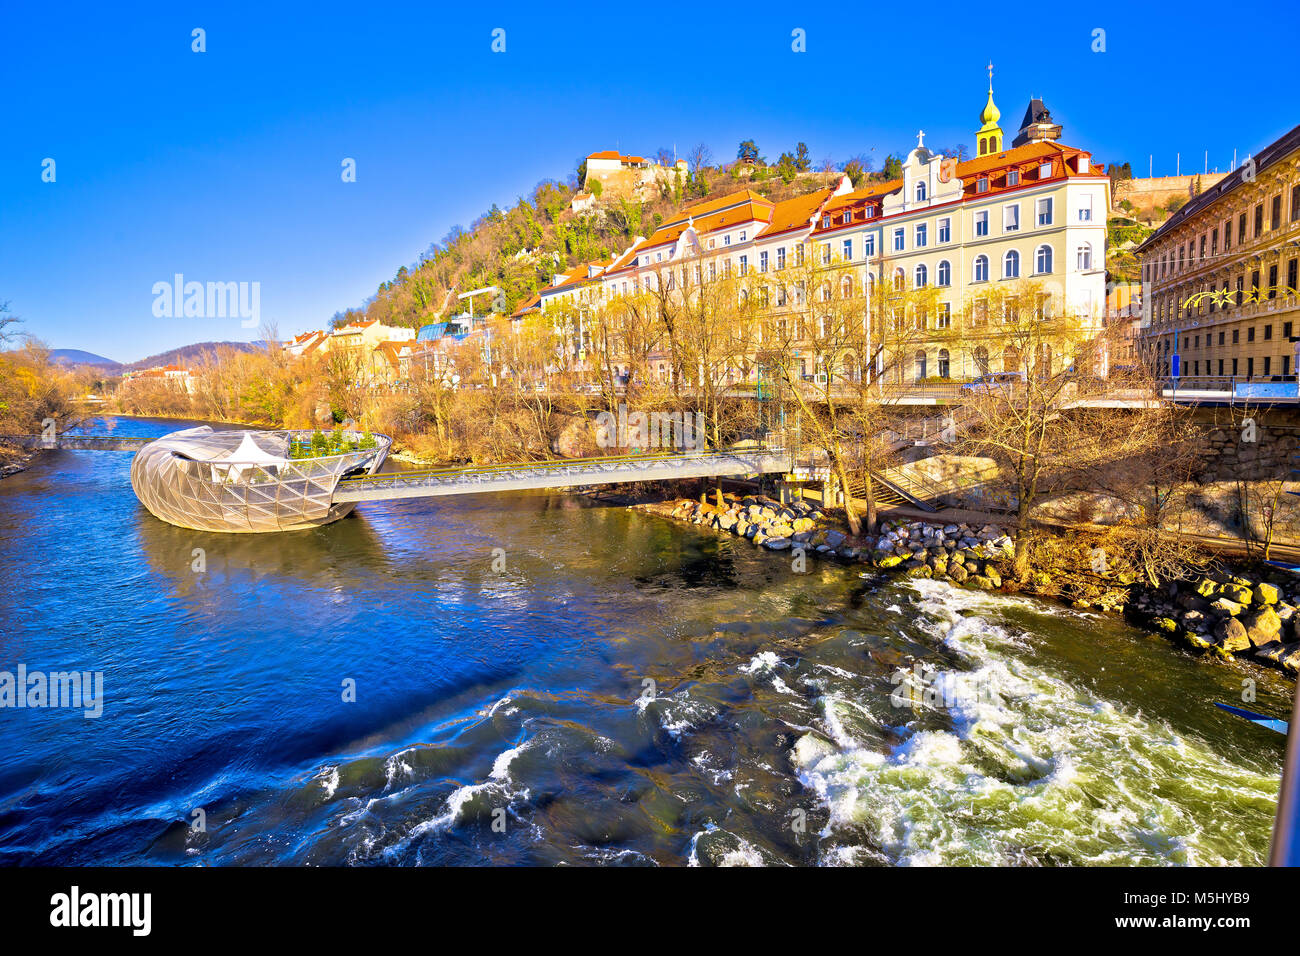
{"points": [[14, 458], [1222, 615]]}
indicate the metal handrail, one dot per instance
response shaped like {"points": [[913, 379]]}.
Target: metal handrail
{"points": [[560, 464]]}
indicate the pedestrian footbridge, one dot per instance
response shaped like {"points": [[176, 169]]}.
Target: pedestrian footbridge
{"points": [[521, 476], [257, 481]]}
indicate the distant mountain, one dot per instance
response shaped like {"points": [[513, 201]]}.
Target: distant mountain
{"points": [[78, 357], [188, 354]]}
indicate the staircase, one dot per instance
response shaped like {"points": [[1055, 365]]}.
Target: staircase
{"points": [[892, 492]]}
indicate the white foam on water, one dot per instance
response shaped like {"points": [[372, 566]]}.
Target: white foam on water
{"points": [[1031, 769]]}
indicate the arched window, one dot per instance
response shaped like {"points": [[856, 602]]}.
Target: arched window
{"points": [[826, 291], [944, 277], [920, 364], [1084, 257], [1043, 260], [944, 363], [982, 360], [900, 279], [922, 276], [1010, 359], [1011, 265], [920, 192], [846, 287], [981, 268]]}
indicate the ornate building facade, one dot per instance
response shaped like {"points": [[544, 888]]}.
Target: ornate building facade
{"points": [[1220, 276]]}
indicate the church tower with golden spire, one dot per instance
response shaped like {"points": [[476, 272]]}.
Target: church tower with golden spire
{"points": [[989, 136]]}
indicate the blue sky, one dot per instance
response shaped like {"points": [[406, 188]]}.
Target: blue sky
{"points": [[225, 165]]}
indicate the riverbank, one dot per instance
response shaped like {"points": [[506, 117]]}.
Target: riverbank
{"points": [[1239, 613], [14, 458]]}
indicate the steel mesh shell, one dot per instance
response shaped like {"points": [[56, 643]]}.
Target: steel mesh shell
{"points": [[190, 479]]}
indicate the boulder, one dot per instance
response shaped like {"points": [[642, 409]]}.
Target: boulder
{"points": [[834, 538], [1265, 593], [1231, 635], [776, 544], [1271, 652], [958, 573], [892, 561], [1226, 607], [1206, 588], [1263, 626]]}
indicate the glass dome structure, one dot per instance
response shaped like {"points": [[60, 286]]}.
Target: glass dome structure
{"points": [[251, 481]]}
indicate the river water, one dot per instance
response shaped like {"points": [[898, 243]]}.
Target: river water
{"points": [[542, 679]]}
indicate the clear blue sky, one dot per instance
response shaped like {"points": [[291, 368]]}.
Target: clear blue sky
{"points": [[225, 165]]}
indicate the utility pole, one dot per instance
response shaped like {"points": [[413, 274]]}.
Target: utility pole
{"points": [[1178, 164]]}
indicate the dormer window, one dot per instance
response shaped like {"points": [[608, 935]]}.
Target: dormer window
{"points": [[826, 222], [920, 192], [982, 184], [1013, 177], [1045, 171], [847, 217]]}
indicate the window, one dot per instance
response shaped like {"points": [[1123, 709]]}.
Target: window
{"points": [[847, 217], [1268, 332], [1275, 214], [943, 321], [944, 275], [1011, 265], [726, 240], [869, 245], [921, 276], [981, 269], [742, 236], [982, 184], [898, 240], [826, 253], [744, 265], [780, 258], [846, 287], [920, 235], [1214, 241], [762, 261], [1043, 260], [826, 222], [1044, 210], [1045, 171], [920, 192], [1083, 257], [1013, 177], [1259, 221], [1085, 209], [1295, 202], [945, 229], [899, 280], [982, 223], [848, 250], [1241, 228], [1011, 218]]}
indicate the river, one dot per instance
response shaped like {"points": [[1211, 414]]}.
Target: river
{"points": [[542, 679]]}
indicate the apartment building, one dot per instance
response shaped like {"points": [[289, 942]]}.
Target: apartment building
{"points": [[1220, 275], [1036, 212]]}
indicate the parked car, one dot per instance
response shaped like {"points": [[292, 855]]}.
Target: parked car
{"points": [[995, 381]]}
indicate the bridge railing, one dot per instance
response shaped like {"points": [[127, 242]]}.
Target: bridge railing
{"points": [[563, 464]]}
